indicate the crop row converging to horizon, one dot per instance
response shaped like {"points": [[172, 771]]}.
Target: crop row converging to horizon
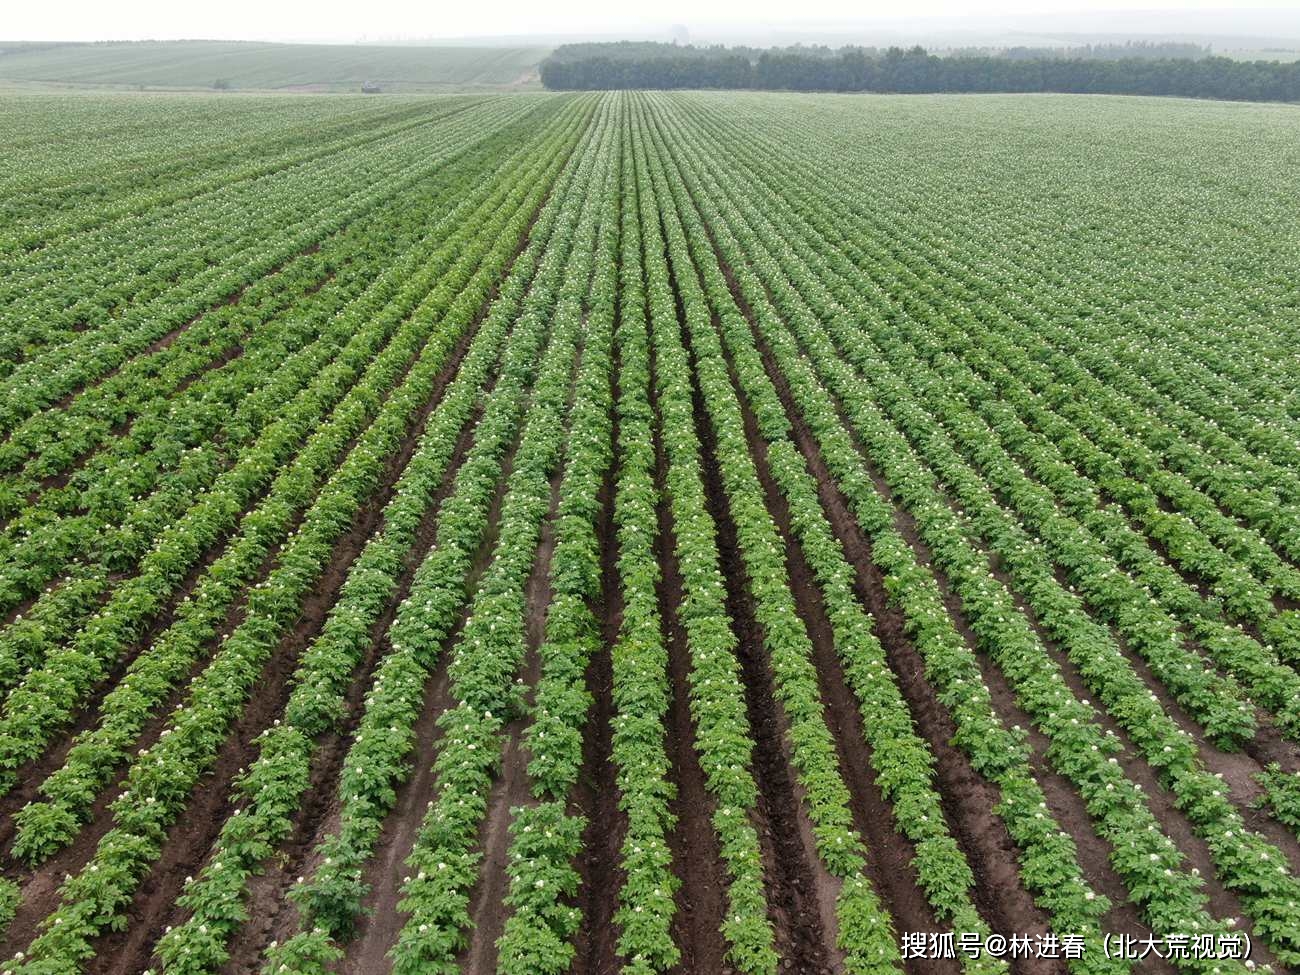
{"points": [[647, 532]]}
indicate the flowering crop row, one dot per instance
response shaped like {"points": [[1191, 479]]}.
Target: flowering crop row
{"points": [[639, 657], [723, 740], [277, 780], [902, 759], [48, 696], [865, 929], [118, 530], [485, 661], [547, 836], [301, 220], [160, 780], [331, 899], [49, 442], [481, 250], [1050, 868], [1264, 884], [909, 481], [250, 228]]}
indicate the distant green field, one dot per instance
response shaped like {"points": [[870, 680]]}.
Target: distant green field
{"points": [[245, 65]]}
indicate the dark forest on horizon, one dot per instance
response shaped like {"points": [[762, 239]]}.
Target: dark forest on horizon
{"points": [[1178, 70]]}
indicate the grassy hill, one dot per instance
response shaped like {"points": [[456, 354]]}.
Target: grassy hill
{"points": [[245, 65]]}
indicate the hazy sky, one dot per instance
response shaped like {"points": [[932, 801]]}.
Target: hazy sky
{"points": [[387, 19]]}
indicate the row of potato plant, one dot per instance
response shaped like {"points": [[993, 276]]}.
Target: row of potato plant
{"points": [[1147, 353], [239, 235], [1273, 683], [724, 743], [300, 219], [1079, 387], [188, 380], [50, 441], [865, 928], [902, 759], [1145, 626], [47, 696], [117, 529], [1000, 753], [547, 836], [640, 689], [161, 779], [487, 657], [331, 898], [46, 826], [129, 262], [1266, 891], [57, 211], [272, 789]]}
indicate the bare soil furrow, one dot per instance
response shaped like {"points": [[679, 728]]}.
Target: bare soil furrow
{"points": [[801, 893], [596, 795], [890, 854], [701, 900], [970, 801]]}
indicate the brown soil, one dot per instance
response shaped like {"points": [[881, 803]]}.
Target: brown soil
{"points": [[799, 890], [701, 901], [970, 801], [596, 795], [890, 853]]}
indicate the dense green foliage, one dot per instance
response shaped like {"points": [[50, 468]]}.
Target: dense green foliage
{"points": [[647, 532], [592, 67]]}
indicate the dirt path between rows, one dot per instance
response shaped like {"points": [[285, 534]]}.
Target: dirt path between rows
{"points": [[800, 892], [701, 900], [597, 795], [970, 801], [890, 854]]}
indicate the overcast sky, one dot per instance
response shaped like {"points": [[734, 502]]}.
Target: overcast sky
{"points": [[410, 19]]}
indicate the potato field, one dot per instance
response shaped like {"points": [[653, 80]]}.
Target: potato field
{"points": [[718, 533]]}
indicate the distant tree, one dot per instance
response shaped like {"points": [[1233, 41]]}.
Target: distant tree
{"points": [[222, 84], [1133, 69]]}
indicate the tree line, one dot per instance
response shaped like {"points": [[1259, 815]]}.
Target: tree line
{"points": [[587, 67]]}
